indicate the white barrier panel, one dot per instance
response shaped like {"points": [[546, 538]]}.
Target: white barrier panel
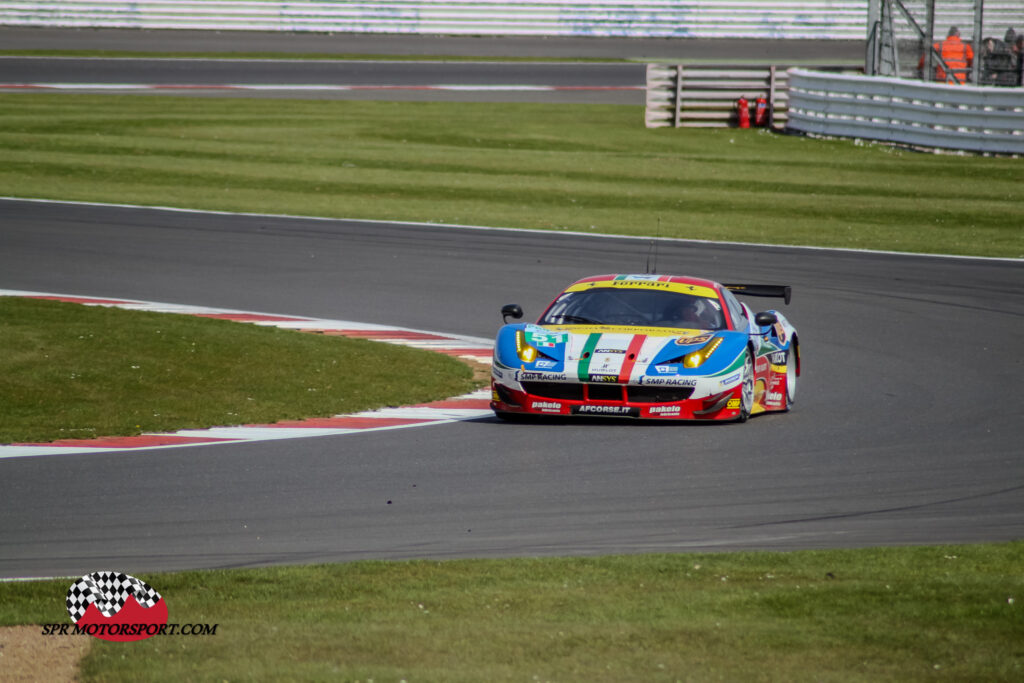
{"points": [[767, 19], [971, 118], [789, 19], [704, 95]]}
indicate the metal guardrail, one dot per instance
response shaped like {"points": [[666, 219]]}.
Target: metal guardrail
{"points": [[705, 95], [932, 115]]}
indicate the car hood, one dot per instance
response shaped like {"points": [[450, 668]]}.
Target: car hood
{"points": [[613, 353]]}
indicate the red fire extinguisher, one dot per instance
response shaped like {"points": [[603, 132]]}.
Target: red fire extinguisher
{"points": [[743, 112], [761, 112]]}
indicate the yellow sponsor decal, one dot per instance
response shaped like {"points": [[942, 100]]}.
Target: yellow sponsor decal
{"points": [[781, 369], [759, 388], [621, 329], [695, 290], [733, 403]]}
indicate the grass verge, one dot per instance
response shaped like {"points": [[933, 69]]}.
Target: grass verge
{"points": [[73, 371], [887, 614], [588, 168]]}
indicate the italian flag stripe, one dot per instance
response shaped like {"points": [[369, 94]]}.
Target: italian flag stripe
{"points": [[583, 369], [631, 353]]}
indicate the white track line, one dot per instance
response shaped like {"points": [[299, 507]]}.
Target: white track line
{"points": [[485, 228]]}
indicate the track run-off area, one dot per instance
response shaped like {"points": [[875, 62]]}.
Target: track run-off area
{"points": [[466, 407], [905, 430]]}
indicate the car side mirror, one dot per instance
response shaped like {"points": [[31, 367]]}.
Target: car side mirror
{"points": [[765, 319], [511, 310]]}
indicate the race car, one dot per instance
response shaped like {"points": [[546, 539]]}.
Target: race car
{"points": [[647, 346]]}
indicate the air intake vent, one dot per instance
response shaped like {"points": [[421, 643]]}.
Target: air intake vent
{"points": [[658, 394], [605, 392], [559, 390]]}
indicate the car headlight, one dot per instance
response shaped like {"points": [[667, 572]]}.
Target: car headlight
{"points": [[526, 353], [695, 359]]}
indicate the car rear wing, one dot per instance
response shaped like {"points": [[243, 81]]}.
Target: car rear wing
{"points": [[778, 291]]}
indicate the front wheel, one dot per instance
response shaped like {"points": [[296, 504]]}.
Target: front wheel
{"points": [[747, 392], [792, 372]]}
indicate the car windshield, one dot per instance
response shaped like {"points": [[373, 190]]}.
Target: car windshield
{"points": [[607, 306]]}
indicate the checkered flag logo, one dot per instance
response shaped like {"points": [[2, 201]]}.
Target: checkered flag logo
{"points": [[109, 591]]}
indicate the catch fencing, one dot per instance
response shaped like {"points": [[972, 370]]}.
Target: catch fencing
{"points": [[931, 115], [999, 15]]}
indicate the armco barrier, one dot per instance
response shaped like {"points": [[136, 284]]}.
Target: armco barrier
{"points": [[933, 115], [704, 95], [817, 19]]}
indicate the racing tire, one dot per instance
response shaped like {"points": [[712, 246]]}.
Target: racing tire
{"points": [[747, 393], [792, 372]]}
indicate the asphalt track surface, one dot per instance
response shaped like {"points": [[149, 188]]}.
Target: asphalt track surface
{"points": [[172, 42], [906, 431], [605, 83], [563, 82]]}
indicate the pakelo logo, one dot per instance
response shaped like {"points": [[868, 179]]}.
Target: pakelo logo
{"points": [[118, 607], [663, 410]]}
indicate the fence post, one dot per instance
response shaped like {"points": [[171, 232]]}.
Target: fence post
{"points": [[979, 7], [679, 95], [929, 40]]}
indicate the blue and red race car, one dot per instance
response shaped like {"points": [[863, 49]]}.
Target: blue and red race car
{"points": [[648, 346]]}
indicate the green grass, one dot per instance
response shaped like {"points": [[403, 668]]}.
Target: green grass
{"points": [[589, 168], [891, 614], [72, 371]]}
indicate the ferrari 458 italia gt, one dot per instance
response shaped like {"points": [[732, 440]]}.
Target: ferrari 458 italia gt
{"points": [[648, 346]]}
